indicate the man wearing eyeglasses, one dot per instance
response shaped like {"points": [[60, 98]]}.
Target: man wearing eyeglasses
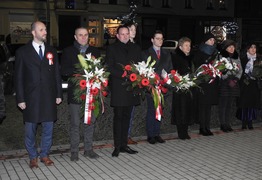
{"points": [[163, 61]]}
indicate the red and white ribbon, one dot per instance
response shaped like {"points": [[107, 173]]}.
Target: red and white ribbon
{"points": [[50, 57], [159, 110], [88, 104]]}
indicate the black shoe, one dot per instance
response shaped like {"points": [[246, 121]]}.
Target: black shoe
{"points": [[159, 139], [116, 152], [223, 128], [182, 137], [187, 136], [91, 154], [209, 133], [128, 150], [74, 156], [229, 128], [244, 127], [151, 140], [250, 125], [203, 132]]}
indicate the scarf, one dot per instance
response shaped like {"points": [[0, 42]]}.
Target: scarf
{"points": [[250, 63], [82, 48], [207, 49]]}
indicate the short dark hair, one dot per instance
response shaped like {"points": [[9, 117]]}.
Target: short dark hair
{"points": [[157, 32], [129, 24], [120, 27]]}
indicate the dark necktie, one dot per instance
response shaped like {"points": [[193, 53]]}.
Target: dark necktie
{"points": [[158, 54], [40, 52]]}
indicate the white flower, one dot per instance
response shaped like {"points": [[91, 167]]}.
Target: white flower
{"points": [[96, 84], [88, 75]]}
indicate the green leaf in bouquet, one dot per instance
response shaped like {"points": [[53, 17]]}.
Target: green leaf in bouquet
{"points": [[82, 61]]}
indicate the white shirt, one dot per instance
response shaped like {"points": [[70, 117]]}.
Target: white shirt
{"points": [[36, 46]]}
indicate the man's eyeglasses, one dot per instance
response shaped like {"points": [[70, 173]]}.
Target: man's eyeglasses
{"points": [[159, 39]]}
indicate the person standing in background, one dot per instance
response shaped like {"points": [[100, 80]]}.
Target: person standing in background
{"points": [[229, 85], [163, 61], [249, 101], [69, 60], [182, 112], [118, 54], [208, 95], [38, 91], [132, 31]]}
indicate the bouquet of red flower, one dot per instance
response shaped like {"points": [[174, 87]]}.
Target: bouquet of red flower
{"points": [[141, 78], [176, 81], [91, 80], [208, 72]]}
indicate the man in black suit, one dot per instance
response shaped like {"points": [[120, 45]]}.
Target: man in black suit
{"points": [[38, 91], [68, 61], [163, 61], [122, 52]]}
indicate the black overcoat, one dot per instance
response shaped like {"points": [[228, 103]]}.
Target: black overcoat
{"points": [[117, 56], [182, 112], [249, 91], [208, 92], [37, 83], [68, 61]]}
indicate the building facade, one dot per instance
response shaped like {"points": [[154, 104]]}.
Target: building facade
{"points": [[176, 18]]}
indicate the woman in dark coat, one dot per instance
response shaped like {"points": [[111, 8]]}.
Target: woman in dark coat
{"points": [[208, 94], [229, 85], [182, 104], [249, 100]]}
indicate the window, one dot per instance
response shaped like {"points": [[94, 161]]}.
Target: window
{"points": [[95, 1], [222, 5], [70, 4], [146, 3], [112, 1], [165, 4], [210, 5], [188, 4]]}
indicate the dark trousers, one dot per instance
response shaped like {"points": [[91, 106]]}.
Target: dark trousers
{"points": [[88, 129], [182, 130], [152, 124], [121, 124], [225, 106], [204, 116]]}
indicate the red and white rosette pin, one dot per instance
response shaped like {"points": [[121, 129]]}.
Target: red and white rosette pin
{"points": [[50, 58]]}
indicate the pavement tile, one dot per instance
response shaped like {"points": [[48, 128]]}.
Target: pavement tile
{"points": [[219, 157]]}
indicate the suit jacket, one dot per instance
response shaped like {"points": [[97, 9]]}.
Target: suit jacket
{"points": [[119, 54], [165, 61], [68, 61], [37, 83]]}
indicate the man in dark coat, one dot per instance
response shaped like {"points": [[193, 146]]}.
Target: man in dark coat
{"points": [[122, 52], [38, 91], [163, 61], [68, 61]]}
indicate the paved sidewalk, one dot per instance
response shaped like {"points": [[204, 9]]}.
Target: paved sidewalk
{"points": [[224, 156]]}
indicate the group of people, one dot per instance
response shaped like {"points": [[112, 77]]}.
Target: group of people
{"points": [[38, 89]]}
